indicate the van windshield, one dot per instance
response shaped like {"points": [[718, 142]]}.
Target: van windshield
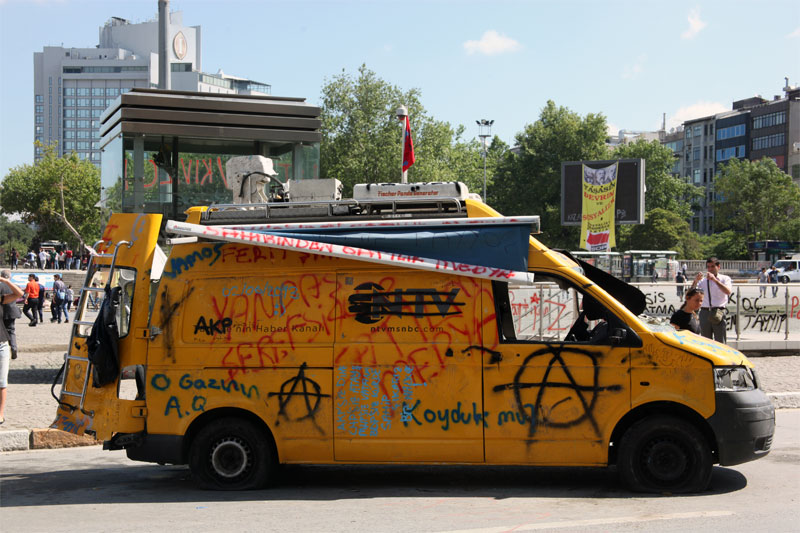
{"points": [[786, 265]]}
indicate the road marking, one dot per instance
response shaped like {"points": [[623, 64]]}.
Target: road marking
{"points": [[596, 522]]}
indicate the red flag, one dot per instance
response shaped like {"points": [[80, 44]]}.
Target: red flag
{"points": [[408, 147]]}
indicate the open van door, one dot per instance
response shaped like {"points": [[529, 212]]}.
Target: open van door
{"points": [[112, 318]]}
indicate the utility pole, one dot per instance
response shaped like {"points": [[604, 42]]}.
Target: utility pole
{"points": [[484, 132]]}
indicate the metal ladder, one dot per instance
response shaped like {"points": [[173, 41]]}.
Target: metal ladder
{"points": [[85, 291]]}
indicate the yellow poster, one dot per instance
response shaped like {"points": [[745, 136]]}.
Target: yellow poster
{"points": [[597, 214]]}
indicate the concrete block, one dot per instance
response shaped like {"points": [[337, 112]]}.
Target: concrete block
{"points": [[15, 439], [55, 438]]}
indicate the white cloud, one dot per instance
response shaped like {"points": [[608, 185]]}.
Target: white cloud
{"points": [[695, 24], [698, 110], [794, 34], [632, 71], [492, 43]]}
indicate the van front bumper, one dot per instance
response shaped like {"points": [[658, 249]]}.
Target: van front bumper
{"points": [[743, 425]]}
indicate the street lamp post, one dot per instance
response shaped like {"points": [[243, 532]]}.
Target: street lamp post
{"points": [[484, 132], [402, 113]]}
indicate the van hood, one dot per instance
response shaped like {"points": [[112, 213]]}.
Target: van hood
{"points": [[718, 353]]}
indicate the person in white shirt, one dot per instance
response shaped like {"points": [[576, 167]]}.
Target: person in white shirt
{"points": [[717, 288]]}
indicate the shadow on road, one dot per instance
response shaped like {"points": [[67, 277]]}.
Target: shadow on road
{"points": [[148, 483]]}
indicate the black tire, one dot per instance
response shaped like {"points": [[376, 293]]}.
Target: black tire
{"points": [[664, 454], [231, 454], [784, 279]]}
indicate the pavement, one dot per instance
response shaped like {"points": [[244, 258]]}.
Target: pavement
{"points": [[31, 409]]}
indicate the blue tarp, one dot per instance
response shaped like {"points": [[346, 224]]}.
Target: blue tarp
{"points": [[498, 246]]}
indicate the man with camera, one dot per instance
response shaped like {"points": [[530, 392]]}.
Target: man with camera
{"points": [[717, 288]]}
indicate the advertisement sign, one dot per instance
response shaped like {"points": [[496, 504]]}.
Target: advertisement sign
{"points": [[597, 213], [630, 188]]}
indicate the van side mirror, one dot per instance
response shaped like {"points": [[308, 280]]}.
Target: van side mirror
{"points": [[618, 335]]}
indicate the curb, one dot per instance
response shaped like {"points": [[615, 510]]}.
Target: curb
{"points": [[42, 439], [48, 438]]}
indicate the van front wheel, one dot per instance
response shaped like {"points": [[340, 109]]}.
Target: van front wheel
{"points": [[231, 454], [664, 454]]}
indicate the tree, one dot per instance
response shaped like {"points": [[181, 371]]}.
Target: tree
{"points": [[663, 190], [528, 182], [662, 230], [757, 199], [362, 140], [34, 192], [14, 235]]}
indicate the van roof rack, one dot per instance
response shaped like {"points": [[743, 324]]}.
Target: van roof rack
{"points": [[374, 201]]}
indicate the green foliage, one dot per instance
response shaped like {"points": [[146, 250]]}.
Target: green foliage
{"points": [[662, 230], [729, 245], [530, 183], [34, 192], [664, 190], [362, 139], [14, 235], [757, 199]]}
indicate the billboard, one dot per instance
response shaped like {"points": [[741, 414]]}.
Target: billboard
{"points": [[629, 193]]}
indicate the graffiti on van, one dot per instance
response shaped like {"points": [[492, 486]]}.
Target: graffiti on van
{"points": [[299, 390], [556, 377], [374, 303]]}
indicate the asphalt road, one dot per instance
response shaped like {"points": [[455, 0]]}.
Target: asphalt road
{"points": [[91, 489]]}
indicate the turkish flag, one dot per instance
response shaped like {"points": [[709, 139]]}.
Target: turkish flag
{"points": [[408, 147]]}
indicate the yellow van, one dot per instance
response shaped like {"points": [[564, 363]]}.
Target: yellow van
{"points": [[404, 330]]}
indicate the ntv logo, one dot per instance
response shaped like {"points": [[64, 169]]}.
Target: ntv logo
{"points": [[374, 302]]}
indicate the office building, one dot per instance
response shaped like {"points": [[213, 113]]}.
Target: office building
{"points": [[73, 86]]}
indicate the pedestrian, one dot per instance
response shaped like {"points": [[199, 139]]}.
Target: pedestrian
{"points": [[70, 299], [5, 345], [686, 317], [31, 258], [683, 269], [43, 259], [10, 315], [655, 274], [14, 258], [62, 259], [773, 278], [59, 299], [31, 299], [68, 257], [42, 296], [717, 288], [763, 279], [680, 279], [53, 260]]}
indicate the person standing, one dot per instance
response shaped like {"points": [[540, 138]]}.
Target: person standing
{"points": [[718, 288], [14, 258], [59, 299], [773, 278], [10, 314], [31, 299], [42, 295], [68, 257], [763, 278], [70, 299], [43, 259], [5, 345], [680, 279]]}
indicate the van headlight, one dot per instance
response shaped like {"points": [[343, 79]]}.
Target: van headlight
{"points": [[734, 378]]}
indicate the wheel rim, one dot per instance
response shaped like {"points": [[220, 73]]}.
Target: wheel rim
{"points": [[666, 462], [231, 457]]}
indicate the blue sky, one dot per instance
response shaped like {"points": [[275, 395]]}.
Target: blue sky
{"points": [[500, 60]]}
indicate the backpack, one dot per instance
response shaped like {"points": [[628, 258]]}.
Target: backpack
{"points": [[103, 342]]}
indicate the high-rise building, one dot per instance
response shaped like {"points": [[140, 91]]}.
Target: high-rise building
{"points": [[73, 86]]}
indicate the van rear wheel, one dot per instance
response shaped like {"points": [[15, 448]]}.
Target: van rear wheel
{"points": [[231, 454], [664, 454]]}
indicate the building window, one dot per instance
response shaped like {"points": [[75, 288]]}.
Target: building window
{"points": [[696, 154], [82, 113], [96, 113], [69, 145], [83, 145], [83, 91], [723, 154], [111, 91], [39, 109], [69, 123], [697, 131], [82, 124], [730, 132], [98, 91], [99, 102], [771, 119], [83, 135], [84, 102], [768, 141], [39, 130], [39, 99], [69, 134], [39, 119], [69, 91], [696, 175], [95, 156], [69, 102]]}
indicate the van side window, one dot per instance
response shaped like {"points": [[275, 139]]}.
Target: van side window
{"points": [[550, 310]]}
